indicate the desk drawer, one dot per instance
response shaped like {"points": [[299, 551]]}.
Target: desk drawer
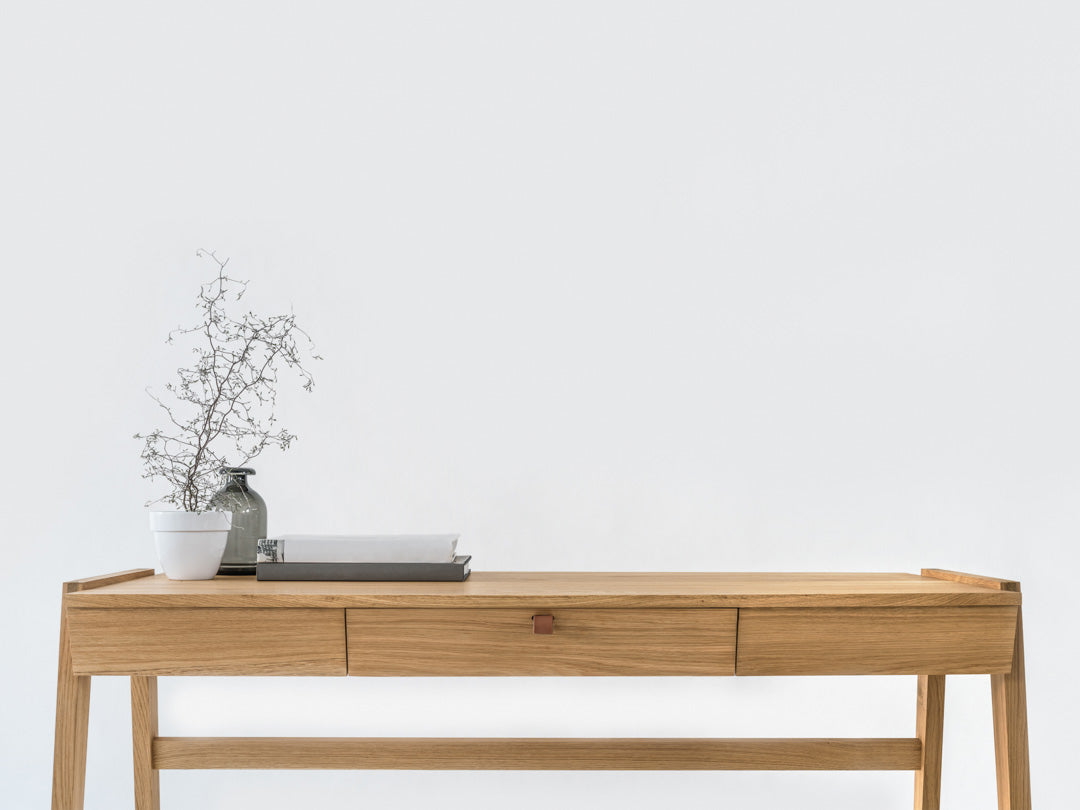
{"points": [[875, 641], [207, 641], [467, 641]]}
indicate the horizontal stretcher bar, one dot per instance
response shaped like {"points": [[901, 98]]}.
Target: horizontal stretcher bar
{"points": [[537, 754]]}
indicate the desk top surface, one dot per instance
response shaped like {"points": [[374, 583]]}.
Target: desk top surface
{"points": [[547, 590]]}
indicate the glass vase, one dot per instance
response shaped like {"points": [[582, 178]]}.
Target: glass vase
{"points": [[248, 519]]}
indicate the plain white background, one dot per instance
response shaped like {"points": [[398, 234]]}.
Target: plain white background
{"points": [[624, 285]]}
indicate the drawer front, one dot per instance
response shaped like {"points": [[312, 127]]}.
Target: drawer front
{"points": [[207, 641], [875, 641], [467, 641]]}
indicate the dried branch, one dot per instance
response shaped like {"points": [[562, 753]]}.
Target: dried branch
{"points": [[221, 409]]}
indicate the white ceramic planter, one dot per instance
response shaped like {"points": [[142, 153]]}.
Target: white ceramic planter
{"points": [[190, 544]]}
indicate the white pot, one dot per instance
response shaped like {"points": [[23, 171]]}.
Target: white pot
{"points": [[190, 544]]}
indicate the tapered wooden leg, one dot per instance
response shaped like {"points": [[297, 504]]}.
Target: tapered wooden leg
{"points": [[1010, 730], [929, 727], [144, 727], [72, 719]]}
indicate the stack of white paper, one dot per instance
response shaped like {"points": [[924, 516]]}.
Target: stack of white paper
{"points": [[346, 548]]}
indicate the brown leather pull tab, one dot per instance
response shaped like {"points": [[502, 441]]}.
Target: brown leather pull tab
{"points": [[544, 625]]}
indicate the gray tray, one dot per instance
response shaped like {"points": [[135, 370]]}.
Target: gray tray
{"points": [[456, 571]]}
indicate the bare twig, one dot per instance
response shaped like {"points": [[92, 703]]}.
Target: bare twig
{"points": [[223, 405]]}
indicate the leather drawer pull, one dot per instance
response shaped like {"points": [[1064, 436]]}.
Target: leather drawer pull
{"points": [[543, 625]]}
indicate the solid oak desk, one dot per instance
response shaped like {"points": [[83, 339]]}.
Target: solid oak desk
{"points": [[140, 625]]}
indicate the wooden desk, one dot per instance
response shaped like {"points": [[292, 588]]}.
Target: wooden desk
{"points": [[142, 626]]}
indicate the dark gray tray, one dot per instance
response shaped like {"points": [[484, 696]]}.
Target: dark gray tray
{"points": [[456, 571]]}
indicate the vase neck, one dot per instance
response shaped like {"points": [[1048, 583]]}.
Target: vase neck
{"points": [[237, 480]]}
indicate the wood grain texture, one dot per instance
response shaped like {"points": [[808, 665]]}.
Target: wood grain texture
{"points": [[537, 754], [89, 583], [559, 590], [211, 641], [875, 641], [502, 642], [72, 724], [930, 728], [972, 579], [144, 728], [1009, 694]]}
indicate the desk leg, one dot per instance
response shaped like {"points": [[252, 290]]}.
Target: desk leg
{"points": [[72, 720], [929, 727], [1010, 730], [144, 727]]}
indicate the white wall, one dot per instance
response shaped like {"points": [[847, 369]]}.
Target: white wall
{"points": [[626, 285]]}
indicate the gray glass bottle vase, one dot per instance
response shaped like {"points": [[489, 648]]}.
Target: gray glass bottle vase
{"points": [[248, 520]]}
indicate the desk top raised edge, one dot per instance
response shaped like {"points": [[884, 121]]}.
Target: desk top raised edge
{"points": [[536, 589]]}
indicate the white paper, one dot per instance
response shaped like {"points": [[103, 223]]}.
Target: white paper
{"points": [[419, 548]]}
